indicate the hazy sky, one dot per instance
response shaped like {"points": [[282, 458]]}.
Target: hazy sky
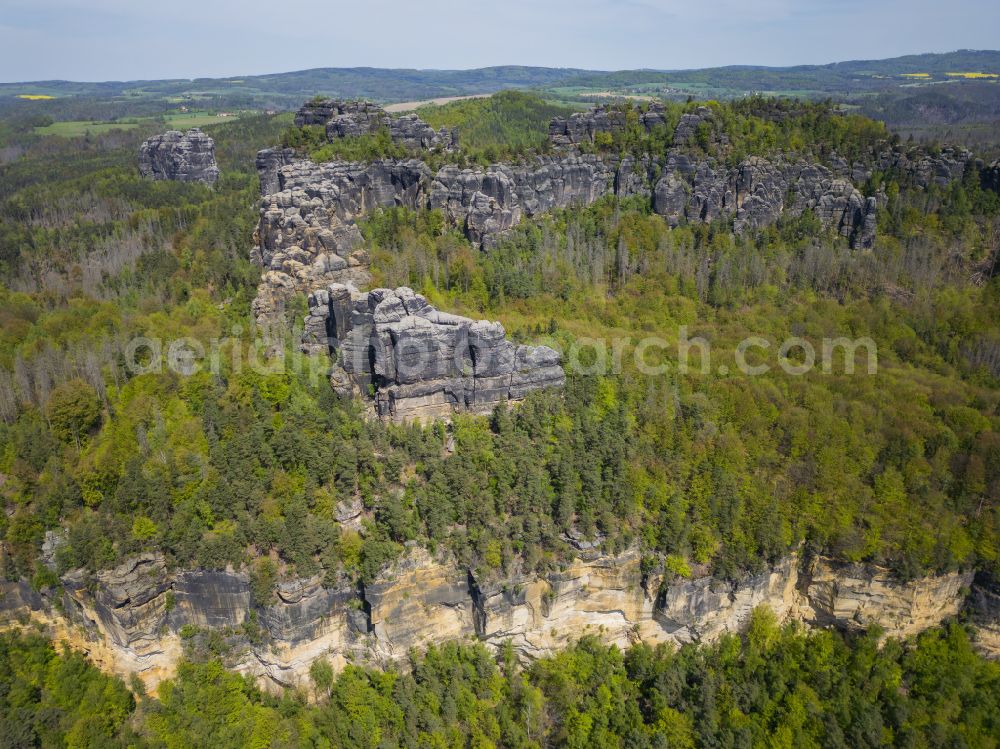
{"points": [[131, 39]]}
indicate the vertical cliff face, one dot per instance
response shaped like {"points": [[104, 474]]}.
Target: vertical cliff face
{"points": [[185, 157], [581, 127], [418, 363], [131, 618], [855, 596], [983, 607]]}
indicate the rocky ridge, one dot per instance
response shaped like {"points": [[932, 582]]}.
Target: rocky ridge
{"points": [[307, 230], [581, 127], [308, 210], [349, 119], [185, 157], [132, 616], [421, 363]]}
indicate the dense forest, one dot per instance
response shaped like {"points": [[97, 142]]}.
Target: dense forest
{"points": [[704, 471], [776, 687], [722, 471]]}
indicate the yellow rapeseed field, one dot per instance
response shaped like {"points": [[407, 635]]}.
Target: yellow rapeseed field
{"points": [[973, 75]]}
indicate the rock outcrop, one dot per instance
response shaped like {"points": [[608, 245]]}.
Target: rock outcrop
{"points": [[308, 209], [418, 363], [131, 617], [268, 162], [581, 127], [348, 119], [307, 237], [856, 596], [307, 234], [185, 157], [983, 607], [990, 177], [759, 191], [307, 230]]}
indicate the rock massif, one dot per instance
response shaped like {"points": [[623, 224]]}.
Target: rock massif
{"points": [[131, 617], [758, 192], [581, 127], [307, 231], [420, 363], [347, 119], [185, 157]]}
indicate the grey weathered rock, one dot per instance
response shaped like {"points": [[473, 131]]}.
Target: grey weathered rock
{"points": [[346, 119], [983, 609], [307, 230], [990, 177], [581, 127], [269, 162], [687, 128], [185, 157], [422, 364], [670, 197], [915, 163], [758, 192]]}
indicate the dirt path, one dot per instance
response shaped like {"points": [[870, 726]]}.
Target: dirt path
{"points": [[409, 106]]}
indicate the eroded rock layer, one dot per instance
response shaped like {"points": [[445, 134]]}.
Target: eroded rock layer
{"points": [[131, 617], [420, 363], [185, 157]]}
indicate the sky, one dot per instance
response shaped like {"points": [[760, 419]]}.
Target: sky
{"points": [[97, 40]]}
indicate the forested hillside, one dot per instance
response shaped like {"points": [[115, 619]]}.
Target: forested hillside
{"points": [[710, 471]]}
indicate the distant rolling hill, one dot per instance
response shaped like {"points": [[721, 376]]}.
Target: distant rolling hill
{"points": [[291, 88], [920, 93]]}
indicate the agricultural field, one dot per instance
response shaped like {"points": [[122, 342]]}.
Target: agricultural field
{"points": [[178, 121]]}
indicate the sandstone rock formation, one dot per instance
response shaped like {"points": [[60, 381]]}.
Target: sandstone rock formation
{"points": [[581, 127], [758, 192], [307, 232], [131, 617], [307, 229], [983, 607], [307, 237], [185, 157], [308, 210], [420, 363], [346, 119], [268, 162], [687, 128], [856, 596]]}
